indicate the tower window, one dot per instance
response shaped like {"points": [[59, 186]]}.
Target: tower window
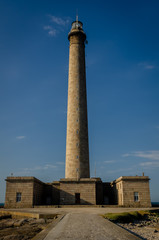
{"points": [[77, 132], [136, 196], [18, 197]]}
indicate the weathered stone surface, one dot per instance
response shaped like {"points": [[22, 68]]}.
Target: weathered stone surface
{"points": [[85, 187], [23, 229], [125, 187], [42, 221], [19, 222], [31, 190], [77, 152]]}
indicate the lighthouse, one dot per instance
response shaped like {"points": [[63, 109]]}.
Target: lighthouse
{"points": [[77, 148]]}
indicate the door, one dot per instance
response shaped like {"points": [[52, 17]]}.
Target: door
{"points": [[77, 198]]}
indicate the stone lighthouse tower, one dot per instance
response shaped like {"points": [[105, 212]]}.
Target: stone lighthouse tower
{"points": [[77, 187], [77, 149]]}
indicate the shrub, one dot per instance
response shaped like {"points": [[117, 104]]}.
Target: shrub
{"points": [[125, 217]]}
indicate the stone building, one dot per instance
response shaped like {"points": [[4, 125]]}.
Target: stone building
{"points": [[132, 191], [77, 187], [125, 191]]}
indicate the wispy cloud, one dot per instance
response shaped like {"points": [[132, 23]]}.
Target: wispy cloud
{"points": [[51, 30], [152, 155], [150, 164], [120, 170], [59, 20], [45, 167], [57, 25], [60, 163], [20, 137], [150, 66], [110, 161], [146, 65], [36, 168]]}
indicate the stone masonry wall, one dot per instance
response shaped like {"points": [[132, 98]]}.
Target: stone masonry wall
{"points": [[56, 192], [128, 186], [77, 151], [119, 193], [19, 185], [87, 192], [39, 193]]}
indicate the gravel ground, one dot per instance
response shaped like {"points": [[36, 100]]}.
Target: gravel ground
{"points": [[147, 229]]}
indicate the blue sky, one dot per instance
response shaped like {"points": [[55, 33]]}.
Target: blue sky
{"points": [[122, 67]]}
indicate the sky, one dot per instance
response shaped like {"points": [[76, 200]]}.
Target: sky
{"points": [[122, 71]]}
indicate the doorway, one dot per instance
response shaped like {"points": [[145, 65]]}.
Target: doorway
{"points": [[77, 198]]}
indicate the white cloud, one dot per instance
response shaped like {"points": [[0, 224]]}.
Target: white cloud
{"points": [[51, 31], [57, 24], [152, 155], [37, 168], [59, 21], [60, 163], [120, 170], [149, 164], [111, 161], [47, 27], [147, 65], [20, 137], [126, 155], [45, 167]]}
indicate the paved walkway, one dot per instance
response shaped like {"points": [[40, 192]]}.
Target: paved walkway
{"points": [[92, 210], [84, 223], [84, 226]]}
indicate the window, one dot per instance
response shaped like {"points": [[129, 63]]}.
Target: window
{"points": [[77, 144], [77, 157], [77, 131], [18, 197], [136, 196]]}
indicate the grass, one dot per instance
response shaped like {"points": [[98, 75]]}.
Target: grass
{"points": [[127, 217]]}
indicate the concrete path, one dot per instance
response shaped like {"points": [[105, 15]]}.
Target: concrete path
{"points": [[84, 226], [92, 210]]}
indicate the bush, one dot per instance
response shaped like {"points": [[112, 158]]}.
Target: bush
{"points": [[125, 217]]}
